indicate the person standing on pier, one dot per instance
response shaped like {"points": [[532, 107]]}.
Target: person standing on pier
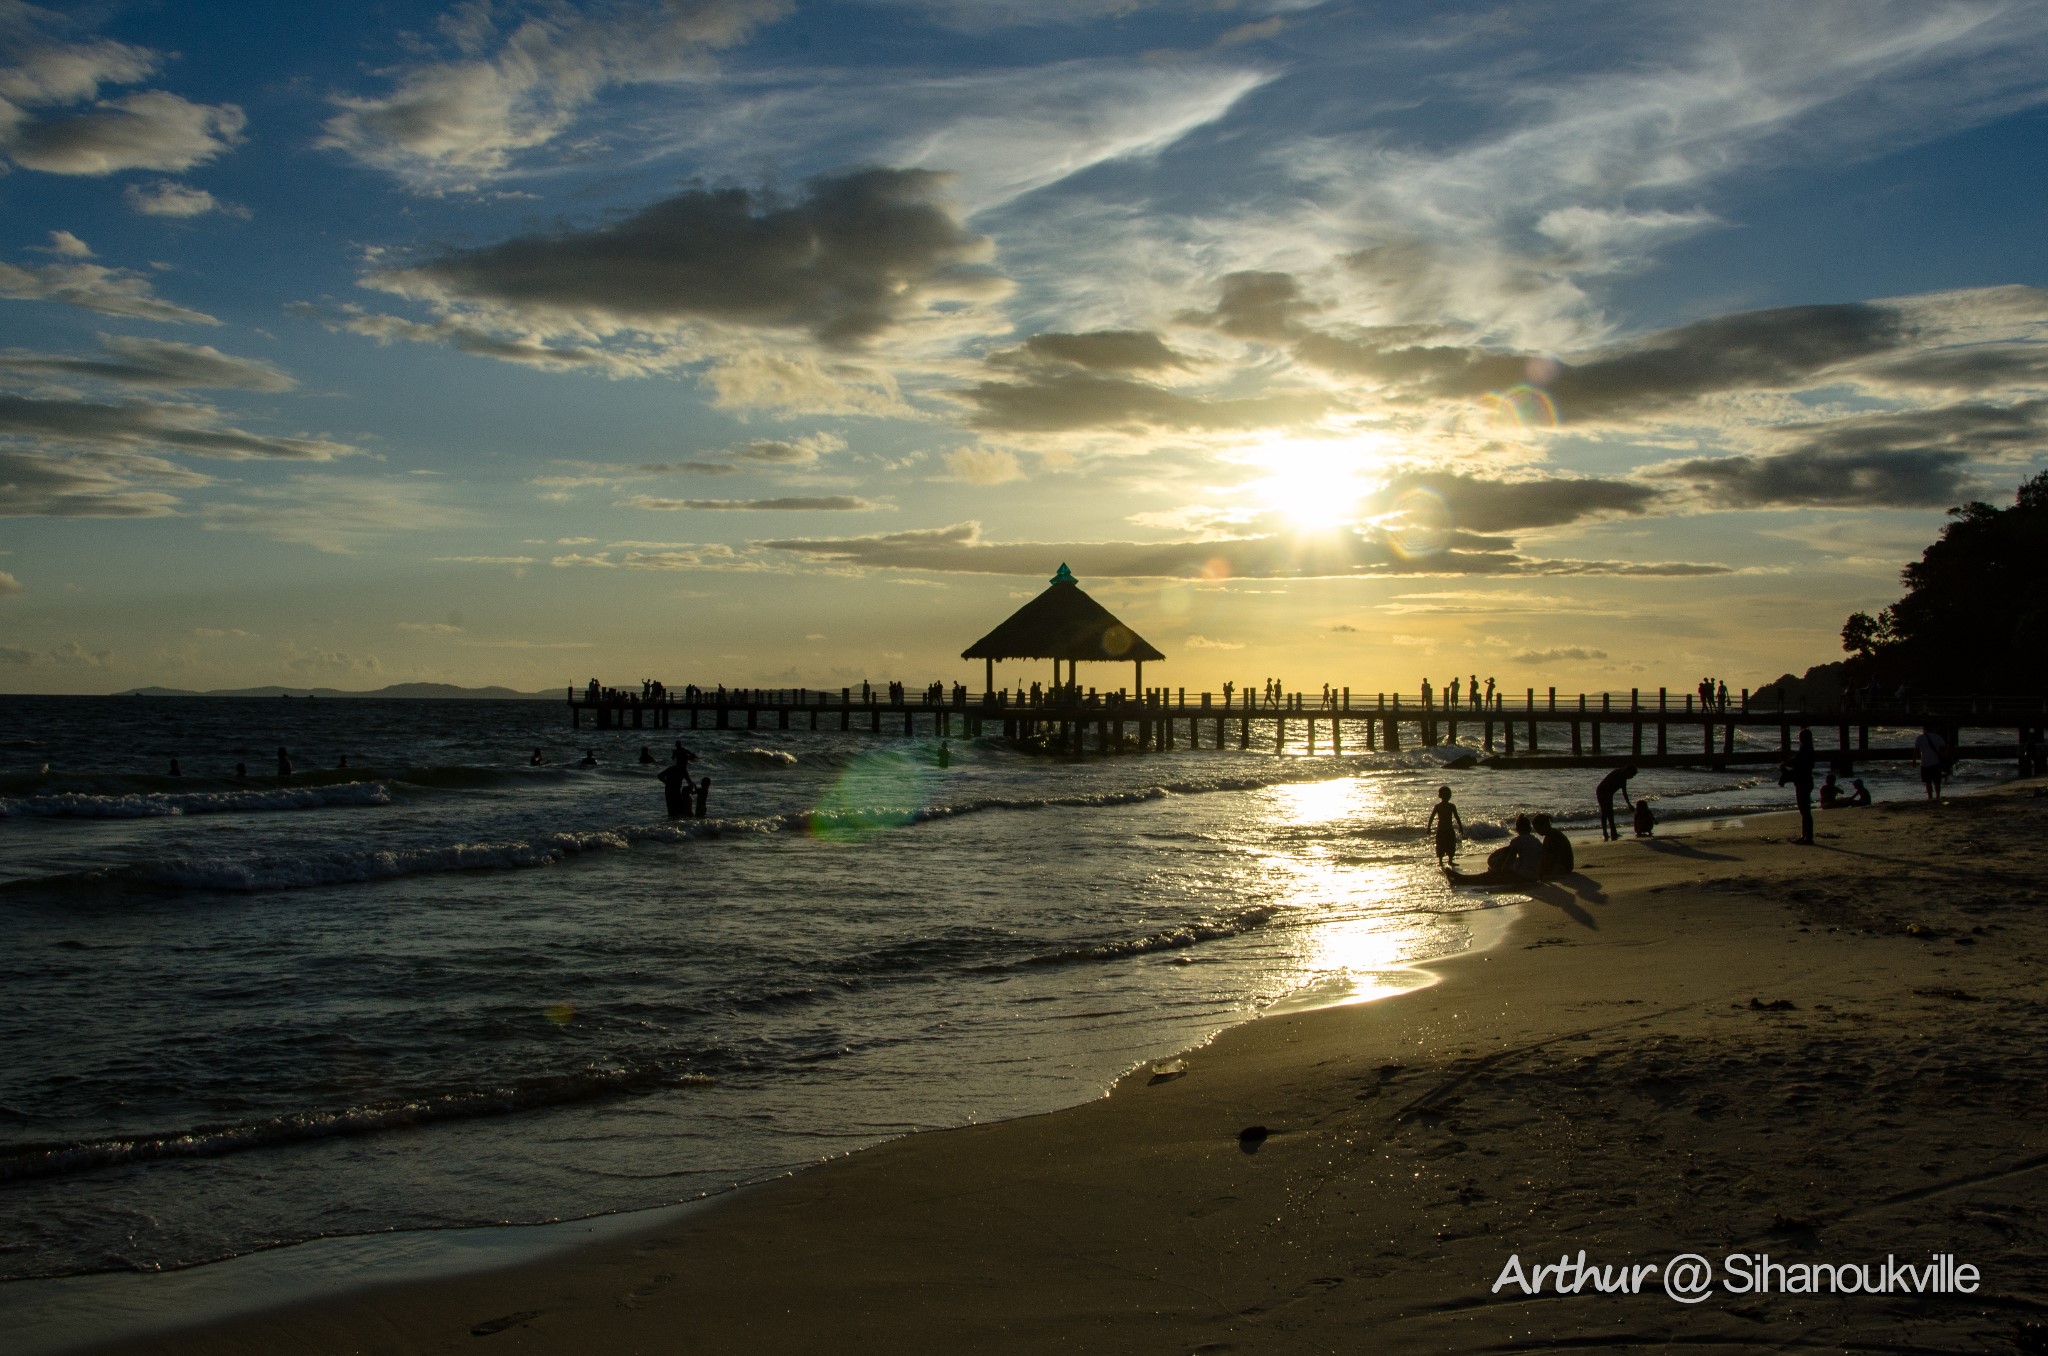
{"points": [[1489, 692], [1451, 694], [1613, 784], [1473, 692]]}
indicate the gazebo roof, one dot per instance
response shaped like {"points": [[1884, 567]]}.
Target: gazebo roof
{"points": [[1062, 623]]}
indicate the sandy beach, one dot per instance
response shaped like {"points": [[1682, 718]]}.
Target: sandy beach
{"points": [[1713, 1043]]}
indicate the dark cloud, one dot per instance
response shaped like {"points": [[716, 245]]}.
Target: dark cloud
{"points": [[1816, 478], [1256, 306], [1098, 350], [157, 363], [1974, 428], [150, 130], [833, 503], [960, 549], [141, 425], [694, 468], [39, 485], [850, 259], [1478, 505], [1057, 401], [1978, 368]]}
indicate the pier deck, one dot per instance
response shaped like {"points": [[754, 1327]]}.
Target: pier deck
{"points": [[1538, 730]]}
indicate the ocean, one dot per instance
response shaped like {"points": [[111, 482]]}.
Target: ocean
{"points": [[441, 988]]}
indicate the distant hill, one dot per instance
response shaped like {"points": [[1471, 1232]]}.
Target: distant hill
{"points": [[434, 691]]}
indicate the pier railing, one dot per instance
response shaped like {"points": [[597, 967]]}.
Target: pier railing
{"points": [[1603, 728]]}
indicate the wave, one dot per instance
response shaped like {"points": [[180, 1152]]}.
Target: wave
{"points": [[27, 1161], [157, 804], [775, 757], [1167, 939]]}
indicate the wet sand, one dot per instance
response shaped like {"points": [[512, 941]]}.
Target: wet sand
{"points": [[1714, 1043]]}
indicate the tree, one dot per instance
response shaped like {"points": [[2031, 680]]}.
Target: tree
{"points": [[1975, 614]]}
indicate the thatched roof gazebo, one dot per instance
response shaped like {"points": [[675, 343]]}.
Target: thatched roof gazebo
{"points": [[1063, 623]]}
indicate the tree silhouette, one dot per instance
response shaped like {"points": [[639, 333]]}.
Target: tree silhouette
{"points": [[1975, 614]]}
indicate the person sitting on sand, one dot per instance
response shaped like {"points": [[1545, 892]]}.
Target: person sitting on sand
{"points": [[1557, 849], [1613, 784], [1521, 858], [1646, 820], [1860, 796], [1445, 821], [589, 758]]}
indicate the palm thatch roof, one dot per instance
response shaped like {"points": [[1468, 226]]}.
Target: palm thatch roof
{"points": [[1062, 623]]}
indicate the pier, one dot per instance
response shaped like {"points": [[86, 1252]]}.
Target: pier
{"points": [[1538, 729]]}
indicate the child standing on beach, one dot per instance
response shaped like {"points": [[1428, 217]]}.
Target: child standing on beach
{"points": [[1447, 825]]}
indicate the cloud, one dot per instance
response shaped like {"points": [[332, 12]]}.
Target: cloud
{"points": [[223, 633], [453, 123], [833, 503], [67, 245], [144, 425], [983, 466], [431, 628], [1551, 656], [1204, 643], [689, 468], [1256, 305], [167, 198], [803, 451], [850, 259], [42, 485], [334, 514], [68, 655], [9, 585], [149, 129], [960, 548], [574, 558], [157, 363], [1474, 504], [1821, 478], [485, 560], [1067, 401], [94, 287], [1098, 350]]}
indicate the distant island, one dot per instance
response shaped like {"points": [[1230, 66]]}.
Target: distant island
{"points": [[413, 691]]}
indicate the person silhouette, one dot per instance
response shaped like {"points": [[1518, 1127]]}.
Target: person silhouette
{"points": [[536, 760], [945, 754], [1446, 823], [176, 771], [1613, 784], [1798, 770], [646, 756], [241, 771], [676, 785], [1557, 849], [284, 762], [703, 795], [589, 758]]}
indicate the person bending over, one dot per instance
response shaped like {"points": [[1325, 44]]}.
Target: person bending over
{"points": [[1613, 784]]}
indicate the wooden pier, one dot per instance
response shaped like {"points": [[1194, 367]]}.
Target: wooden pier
{"points": [[1540, 730]]}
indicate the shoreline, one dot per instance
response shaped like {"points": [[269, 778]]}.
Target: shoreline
{"points": [[1144, 1125]]}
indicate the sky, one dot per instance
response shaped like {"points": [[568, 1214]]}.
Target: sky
{"points": [[766, 342]]}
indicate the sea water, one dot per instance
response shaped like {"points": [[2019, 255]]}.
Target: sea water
{"points": [[443, 988]]}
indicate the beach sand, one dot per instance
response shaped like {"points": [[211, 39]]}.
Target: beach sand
{"points": [[1714, 1043]]}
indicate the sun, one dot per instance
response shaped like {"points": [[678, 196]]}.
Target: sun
{"points": [[1315, 484]]}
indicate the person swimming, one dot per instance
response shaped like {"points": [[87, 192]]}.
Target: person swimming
{"points": [[589, 758], [284, 762], [945, 754], [646, 756], [176, 771], [536, 760]]}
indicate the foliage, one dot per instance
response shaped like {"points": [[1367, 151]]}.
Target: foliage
{"points": [[1975, 614]]}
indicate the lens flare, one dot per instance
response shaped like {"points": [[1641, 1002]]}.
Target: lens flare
{"points": [[1421, 524], [874, 793], [1516, 412]]}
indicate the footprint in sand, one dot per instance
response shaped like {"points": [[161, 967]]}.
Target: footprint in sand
{"points": [[497, 1325]]}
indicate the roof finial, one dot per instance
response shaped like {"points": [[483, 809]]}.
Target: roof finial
{"points": [[1065, 576]]}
